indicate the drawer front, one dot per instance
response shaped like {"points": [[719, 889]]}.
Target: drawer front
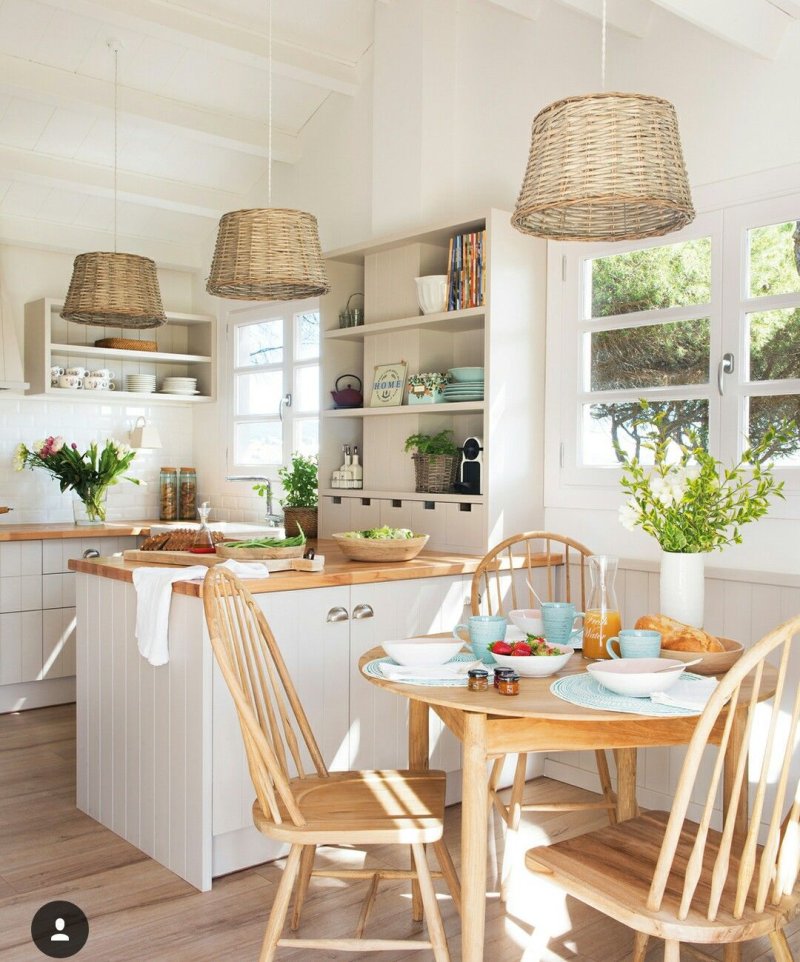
{"points": [[334, 517]]}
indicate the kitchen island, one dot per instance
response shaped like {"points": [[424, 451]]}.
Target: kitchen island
{"points": [[160, 756]]}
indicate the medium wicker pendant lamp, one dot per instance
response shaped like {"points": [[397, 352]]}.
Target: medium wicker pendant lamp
{"points": [[604, 167], [271, 253], [111, 289]]}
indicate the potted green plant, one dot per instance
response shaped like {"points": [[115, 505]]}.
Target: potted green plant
{"points": [[435, 460], [300, 486]]}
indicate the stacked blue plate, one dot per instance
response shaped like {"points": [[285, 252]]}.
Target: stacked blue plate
{"points": [[463, 391]]}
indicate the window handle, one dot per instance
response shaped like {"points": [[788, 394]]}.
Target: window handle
{"points": [[287, 400], [726, 366]]}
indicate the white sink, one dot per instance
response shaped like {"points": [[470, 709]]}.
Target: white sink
{"points": [[236, 529]]}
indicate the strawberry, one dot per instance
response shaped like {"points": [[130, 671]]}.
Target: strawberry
{"points": [[520, 648], [500, 648]]}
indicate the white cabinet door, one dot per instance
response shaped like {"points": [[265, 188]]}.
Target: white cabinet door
{"points": [[378, 718]]}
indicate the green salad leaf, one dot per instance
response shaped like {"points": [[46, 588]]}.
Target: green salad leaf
{"points": [[381, 534]]}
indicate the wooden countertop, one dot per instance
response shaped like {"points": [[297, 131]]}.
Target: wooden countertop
{"points": [[338, 571], [64, 530]]}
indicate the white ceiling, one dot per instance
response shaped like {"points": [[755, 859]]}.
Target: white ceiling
{"points": [[192, 102]]}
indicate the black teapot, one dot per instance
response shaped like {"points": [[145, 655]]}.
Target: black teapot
{"points": [[348, 397]]}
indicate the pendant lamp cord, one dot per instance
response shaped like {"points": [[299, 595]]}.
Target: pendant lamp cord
{"points": [[116, 86], [269, 102], [603, 52]]}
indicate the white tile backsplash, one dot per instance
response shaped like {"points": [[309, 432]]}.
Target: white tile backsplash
{"points": [[35, 496]]}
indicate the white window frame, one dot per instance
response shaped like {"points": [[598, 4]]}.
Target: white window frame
{"points": [[288, 312], [731, 209]]}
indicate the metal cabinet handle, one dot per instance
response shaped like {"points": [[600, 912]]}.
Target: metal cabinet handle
{"points": [[362, 611], [726, 366], [337, 614], [91, 553]]}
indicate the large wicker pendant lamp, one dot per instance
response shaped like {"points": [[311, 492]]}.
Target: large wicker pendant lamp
{"points": [[604, 167], [268, 254], [111, 289]]}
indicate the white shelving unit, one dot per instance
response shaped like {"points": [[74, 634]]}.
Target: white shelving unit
{"points": [[185, 349], [505, 336]]}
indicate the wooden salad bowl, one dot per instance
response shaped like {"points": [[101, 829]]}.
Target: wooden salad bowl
{"points": [[380, 549], [713, 662]]}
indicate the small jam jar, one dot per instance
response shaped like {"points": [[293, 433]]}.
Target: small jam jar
{"points": [[478, 679], [500, 673], [508, 684]]}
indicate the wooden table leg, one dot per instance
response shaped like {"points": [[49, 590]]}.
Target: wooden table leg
{"points": [[626, 783], [419, 761], [474, 836]]}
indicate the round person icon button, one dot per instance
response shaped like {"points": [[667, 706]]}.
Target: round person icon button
{"points": [[59, 930]]}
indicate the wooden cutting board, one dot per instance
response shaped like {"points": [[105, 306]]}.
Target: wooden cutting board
{"points": [[188, 558]]}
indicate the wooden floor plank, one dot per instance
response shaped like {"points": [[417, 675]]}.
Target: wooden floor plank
{"points": [[138, 910]]}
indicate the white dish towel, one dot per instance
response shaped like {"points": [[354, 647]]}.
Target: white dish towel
{"points": [[154, 596], [692, 694]]}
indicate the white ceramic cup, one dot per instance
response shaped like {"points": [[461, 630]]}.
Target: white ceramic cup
{"points": [[103, 372], [57, 371], [77, 371], [71, 381], [97, 384]]}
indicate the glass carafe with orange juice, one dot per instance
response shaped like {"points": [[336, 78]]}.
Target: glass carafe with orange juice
{"points": [[602, 620]]}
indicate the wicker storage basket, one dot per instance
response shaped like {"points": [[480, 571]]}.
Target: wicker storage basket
{"points": [[126, 344], [435, 473], [305, 517]]}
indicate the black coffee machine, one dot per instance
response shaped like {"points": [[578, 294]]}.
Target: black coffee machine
{"points": [[469, 475]]}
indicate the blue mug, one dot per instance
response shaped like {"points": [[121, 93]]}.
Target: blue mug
{"points": [[635, 643], [559, 622], [482, 630]]}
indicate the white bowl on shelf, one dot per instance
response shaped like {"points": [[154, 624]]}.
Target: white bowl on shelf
{"points": [[431, 293]]}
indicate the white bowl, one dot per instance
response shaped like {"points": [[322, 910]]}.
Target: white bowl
{"points": [[422, 651], [528, 620], [431, 293], [636, 677], [536, 666]]}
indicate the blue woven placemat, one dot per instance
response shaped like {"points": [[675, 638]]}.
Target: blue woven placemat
{"points": [[371, 668], [583, 690]]}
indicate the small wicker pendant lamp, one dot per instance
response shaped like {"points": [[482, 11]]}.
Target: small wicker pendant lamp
{"points": [[604, 167], [268, 254], [110, 289]]}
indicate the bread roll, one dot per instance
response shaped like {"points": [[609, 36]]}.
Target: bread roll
{"points": [[675, 636]]}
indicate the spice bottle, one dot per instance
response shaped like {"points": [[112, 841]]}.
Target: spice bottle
{"points": [[168, 494], [187, 495]]}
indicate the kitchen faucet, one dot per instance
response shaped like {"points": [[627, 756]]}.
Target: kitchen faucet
{"points": [[270, 517]]}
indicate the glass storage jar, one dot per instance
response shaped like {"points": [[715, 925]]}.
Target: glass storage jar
{"points": [[187, 494], [168, 494]]}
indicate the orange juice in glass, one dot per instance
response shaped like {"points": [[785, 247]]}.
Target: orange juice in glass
{"points": [[598, 626]]}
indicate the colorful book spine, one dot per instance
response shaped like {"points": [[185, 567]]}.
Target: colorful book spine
{"points": [[466, 285]]}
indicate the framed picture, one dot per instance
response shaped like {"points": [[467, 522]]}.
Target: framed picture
{"points": [[388, 385]]}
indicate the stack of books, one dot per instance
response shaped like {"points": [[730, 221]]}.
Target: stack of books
{"points": [[466, 285]]}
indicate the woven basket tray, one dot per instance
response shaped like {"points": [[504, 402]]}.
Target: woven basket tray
{"points": [[126, 344], [384, 549], [259, 554]]}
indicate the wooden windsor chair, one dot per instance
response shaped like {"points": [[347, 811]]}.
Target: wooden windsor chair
{"points": [[556, 566], [317, 807], [682, 881]]}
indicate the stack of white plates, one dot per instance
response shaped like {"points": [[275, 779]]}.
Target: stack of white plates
{"points": [[463, 391], [140, 383], [179, 385]]}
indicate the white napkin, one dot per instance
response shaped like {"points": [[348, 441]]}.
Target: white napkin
{"points": [[245, 569], [153, 597], [456, 669], [687, 693]]}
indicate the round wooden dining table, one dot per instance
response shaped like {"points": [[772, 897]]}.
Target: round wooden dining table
{"points": [[489, 724]]}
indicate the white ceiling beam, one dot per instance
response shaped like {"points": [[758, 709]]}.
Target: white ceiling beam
{"points": [[528, 9], [63, 88], [790, 7], [33, 168], [187, 27], [754, 25], [70, 239], [629, 16]]}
